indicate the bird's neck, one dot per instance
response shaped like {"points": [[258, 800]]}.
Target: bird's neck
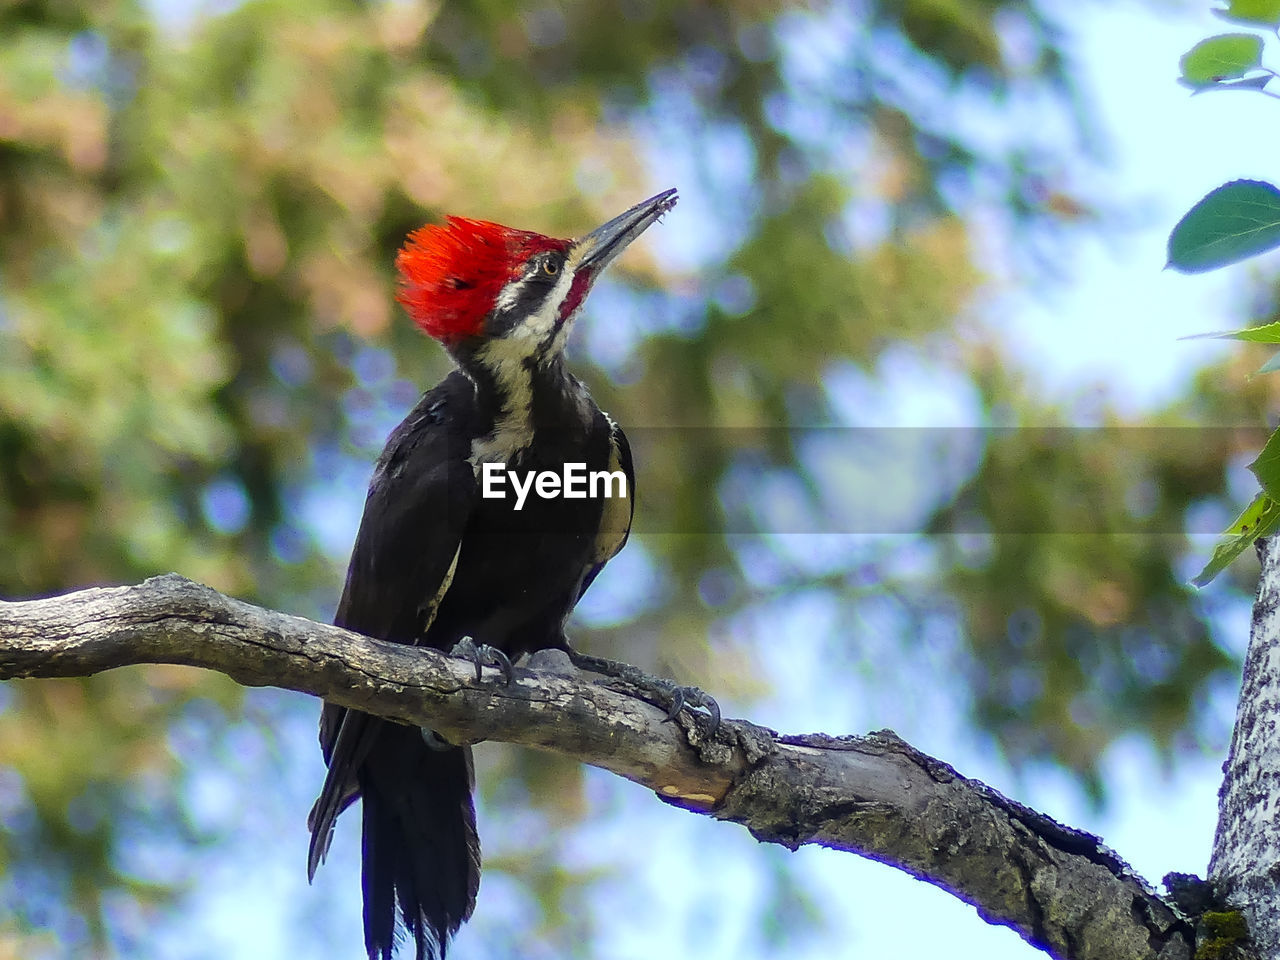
{"points": [[518, 395]]}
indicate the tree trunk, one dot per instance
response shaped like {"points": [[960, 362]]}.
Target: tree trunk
{"points": [[1245, 867]]}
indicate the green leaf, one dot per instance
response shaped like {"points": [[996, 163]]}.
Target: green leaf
{"points": [[1260, 519], [1238, 220], [1227, 56], [1267, 333], [1262, 12], [1267, 467]]}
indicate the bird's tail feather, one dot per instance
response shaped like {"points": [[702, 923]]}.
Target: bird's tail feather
{"points": [[353, 735], [420, 850]]}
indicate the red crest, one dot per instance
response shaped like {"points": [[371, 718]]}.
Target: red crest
{"points": [[451, 275]]}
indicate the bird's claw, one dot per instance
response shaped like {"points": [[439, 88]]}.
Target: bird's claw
{"points": [[691, 698], [675, 697], [484, 655]]}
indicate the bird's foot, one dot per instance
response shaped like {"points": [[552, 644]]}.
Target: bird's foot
{"points": [[671, 696], [682, 697], [483, 655]]}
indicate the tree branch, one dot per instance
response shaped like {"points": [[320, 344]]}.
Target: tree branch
{"points": [[876, 796]]}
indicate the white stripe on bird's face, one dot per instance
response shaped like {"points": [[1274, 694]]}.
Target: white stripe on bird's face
{"points": [[529, 335]]}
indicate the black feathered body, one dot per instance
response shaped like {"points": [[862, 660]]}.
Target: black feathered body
{"points": [[434, 562]]}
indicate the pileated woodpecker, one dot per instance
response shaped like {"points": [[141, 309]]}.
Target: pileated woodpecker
{"points": [[438, 564]]}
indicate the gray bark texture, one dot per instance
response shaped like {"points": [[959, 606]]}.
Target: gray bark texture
{"points": [[1245, 867], [875, 795]]}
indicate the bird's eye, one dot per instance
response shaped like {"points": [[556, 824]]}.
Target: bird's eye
{"points": [[550, 267]]}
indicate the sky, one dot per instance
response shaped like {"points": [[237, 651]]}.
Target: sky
{"points": [[1120, 316], [1115, 318]]}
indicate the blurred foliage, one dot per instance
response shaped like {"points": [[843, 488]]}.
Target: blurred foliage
{"points": [[199, 359], [1234, 222]]}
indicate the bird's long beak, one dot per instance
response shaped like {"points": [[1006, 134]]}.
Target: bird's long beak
{"points": [[595, 251]]}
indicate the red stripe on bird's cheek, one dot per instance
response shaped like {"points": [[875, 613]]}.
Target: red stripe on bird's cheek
{"points": [[577, 293]]}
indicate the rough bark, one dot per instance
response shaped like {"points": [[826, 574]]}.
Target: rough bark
{"points": [[876, 796], [1245, 868]]}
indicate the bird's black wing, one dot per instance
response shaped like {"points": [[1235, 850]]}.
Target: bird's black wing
{"points": [[617, 513], [419, 502]]}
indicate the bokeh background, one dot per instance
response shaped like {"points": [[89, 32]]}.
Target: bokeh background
{"points": [[917, 445]]}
